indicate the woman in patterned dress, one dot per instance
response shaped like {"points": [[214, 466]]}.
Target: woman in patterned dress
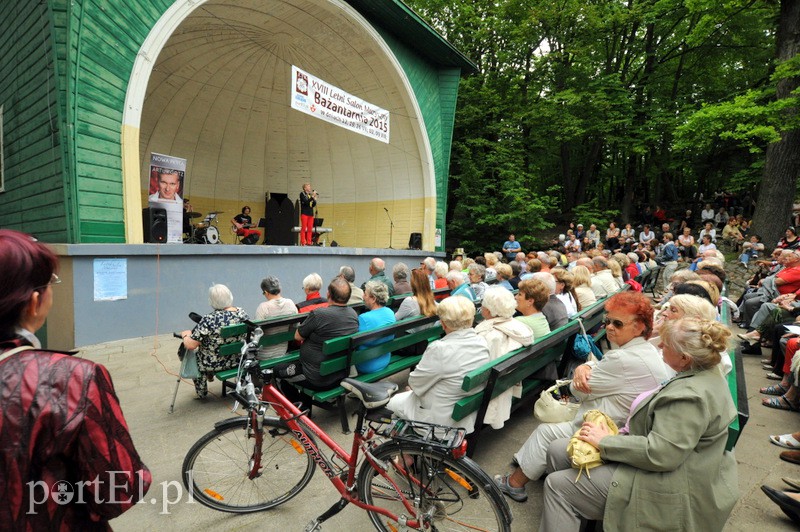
{"points": [[205, 337]]}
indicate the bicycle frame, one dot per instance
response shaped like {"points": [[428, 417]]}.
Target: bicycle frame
{"points": [[293, 417]]}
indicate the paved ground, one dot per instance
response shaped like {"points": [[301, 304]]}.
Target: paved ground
{"points": [[143, 374]]}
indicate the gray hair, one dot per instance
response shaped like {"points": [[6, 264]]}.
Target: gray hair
{"points": [[219, 296], [456, 265], [441, 269], [456, 313], [548, 280], [271, 285], [499, 302], [456, 277], [600, 263], [379, 291], [633, 256], [700, 340], [477, 268], [312, 282], [377, 264], [400, 272], [348, 273], [430, 263]]}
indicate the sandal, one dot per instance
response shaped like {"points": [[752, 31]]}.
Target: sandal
{"points": [[781, 403], [774, 376], [775, 389], [785, 440]]}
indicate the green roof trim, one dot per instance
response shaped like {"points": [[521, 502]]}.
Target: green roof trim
{"points": [[413, 31]]}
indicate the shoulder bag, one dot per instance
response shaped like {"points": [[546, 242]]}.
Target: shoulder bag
{"points": [[554, 407]]}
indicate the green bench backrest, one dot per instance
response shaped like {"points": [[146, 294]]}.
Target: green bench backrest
{"points": [[736, 426], [480, 376], [337, 350]]}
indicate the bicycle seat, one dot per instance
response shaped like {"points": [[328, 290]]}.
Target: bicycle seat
{"points": [[372, 394]]}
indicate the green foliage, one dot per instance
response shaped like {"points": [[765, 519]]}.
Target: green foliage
{"points": [[603, 105], [591, 213], [748, 121]]}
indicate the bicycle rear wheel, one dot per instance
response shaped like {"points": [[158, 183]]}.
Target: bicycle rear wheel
{"points": [[218, 467], [454, 494]]}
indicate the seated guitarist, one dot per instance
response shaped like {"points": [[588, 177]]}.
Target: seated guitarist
{"points": [[244, 224]]}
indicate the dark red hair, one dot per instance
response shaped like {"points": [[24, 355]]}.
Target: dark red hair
{"points": [[636, 303], [25, 266]]}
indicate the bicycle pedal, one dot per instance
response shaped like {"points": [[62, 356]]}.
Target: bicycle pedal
{"points": [[313, 526]]}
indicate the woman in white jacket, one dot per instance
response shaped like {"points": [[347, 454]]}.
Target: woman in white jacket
{"points": [[503, 334], [434, 387]]}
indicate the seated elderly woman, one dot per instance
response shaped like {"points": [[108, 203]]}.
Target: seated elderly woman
{"points": [[504, 273], [503, 334], [376, 296], [566, 292], [633, 366], [689, 306], [205, 337], [312, 284], [276, 305], [477, 276], [434, 386], [671, 467], [582, 282], [531, 298]]}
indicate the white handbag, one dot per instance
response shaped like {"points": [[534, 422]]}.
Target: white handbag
{"points": [[551, 409]]}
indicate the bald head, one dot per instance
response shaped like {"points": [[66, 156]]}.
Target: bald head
{"points": [[585, 261], [376, 265]]}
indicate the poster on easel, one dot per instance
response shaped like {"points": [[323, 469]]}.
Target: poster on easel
{"points": [[167, 179]]}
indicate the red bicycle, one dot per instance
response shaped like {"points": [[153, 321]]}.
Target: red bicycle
{"points": [[405, 474]]}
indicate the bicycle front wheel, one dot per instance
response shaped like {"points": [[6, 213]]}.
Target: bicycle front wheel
{"points": [[219, 469], [453, 494]]}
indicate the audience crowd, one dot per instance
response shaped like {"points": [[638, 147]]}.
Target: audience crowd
{"points": [[662, 379]]}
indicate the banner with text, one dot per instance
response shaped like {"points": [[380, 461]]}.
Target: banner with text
{"points": [[317, 98]]}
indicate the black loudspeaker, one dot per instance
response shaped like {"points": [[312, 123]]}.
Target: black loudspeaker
{"points": [[415, 241], [280, 216], [154, 221]]}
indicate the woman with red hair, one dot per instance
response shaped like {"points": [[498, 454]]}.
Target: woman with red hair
{"points": [[62, 426], [632, 367]]}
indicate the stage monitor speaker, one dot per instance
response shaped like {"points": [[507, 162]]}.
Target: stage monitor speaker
{"points": [[415, 241], [154, 221]]}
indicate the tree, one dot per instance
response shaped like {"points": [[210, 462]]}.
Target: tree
{"points": [[601, 102], [779, 184]]}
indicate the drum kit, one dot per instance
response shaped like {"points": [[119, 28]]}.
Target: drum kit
{"points": [[204, 231]]}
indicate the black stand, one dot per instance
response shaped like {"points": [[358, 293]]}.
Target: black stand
{"points": [[391, 227]]}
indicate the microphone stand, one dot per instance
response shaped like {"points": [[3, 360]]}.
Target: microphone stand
{"points": [[391, 227]]}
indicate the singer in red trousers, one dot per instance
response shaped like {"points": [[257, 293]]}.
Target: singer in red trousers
{"points": [[308, 200]]}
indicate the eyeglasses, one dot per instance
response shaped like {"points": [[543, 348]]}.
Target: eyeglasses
{"points": [[618, 324], [54, 279]]}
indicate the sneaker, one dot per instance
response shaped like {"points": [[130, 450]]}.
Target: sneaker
{"points": [[516, 494]]}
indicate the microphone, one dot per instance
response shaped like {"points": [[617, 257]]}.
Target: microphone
{"points": [[385, 209]]}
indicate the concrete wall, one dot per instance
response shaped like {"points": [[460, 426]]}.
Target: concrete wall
{"points": [[166, 282]]}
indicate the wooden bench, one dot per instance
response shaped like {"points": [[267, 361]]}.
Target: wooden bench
{"points": [[738, 388], [506, 371], [649, 279], [269, 339], [343, 352]]}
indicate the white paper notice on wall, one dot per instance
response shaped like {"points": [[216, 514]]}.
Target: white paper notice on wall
{"points": [[322, 100], [110, 279]]}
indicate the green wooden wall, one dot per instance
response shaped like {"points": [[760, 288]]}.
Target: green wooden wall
{"points": [[33, 200], [64, 70], [436, 91]]}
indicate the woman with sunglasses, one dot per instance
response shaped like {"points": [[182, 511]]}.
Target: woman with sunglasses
{"points": [[632, 367], [668, 467], [62, 424]]}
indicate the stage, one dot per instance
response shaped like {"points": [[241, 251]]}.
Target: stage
{"points": [[116, 291]]}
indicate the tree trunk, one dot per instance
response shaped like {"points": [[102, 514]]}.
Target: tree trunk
{"points": [[774, 206]]}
